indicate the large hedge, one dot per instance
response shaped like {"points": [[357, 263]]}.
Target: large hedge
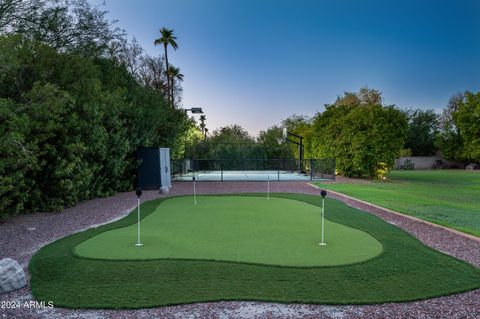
{"points": [[70, 126], [360, 134]]}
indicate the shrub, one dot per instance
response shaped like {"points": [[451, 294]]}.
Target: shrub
{"points": [[359, 136], [381, 172], [70, 126]]}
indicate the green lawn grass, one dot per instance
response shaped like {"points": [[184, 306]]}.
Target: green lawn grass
{"points": [[405, 270], [278, 231], [446, 197]]}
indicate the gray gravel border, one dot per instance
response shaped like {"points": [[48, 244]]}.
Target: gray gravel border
{"points": [[22, 236]]}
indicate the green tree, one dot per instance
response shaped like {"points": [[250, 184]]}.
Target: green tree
{"points": [[230, 142], [16, 159], [270, 143], [71, 125], [203, 126], [65, 25], [167, 38], [422, 132], [467, 119], [175, 75], [360, 136], [301, 126], [449, 140]]}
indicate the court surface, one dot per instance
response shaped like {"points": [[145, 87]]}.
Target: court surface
{"points": [[239, 175]]}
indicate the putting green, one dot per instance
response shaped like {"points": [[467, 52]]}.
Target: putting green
{"points": [[278, 231], [406, 270]]}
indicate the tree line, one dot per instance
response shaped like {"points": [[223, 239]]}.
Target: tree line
{"points": [[76, 101], [364, 135]]}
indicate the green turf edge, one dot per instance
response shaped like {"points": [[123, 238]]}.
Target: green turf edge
{"points": [[37, 291], [466, 230], [398, 229], [73, 251]]}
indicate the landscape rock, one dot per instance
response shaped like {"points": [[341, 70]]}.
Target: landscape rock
{"points": [[12, 276]]}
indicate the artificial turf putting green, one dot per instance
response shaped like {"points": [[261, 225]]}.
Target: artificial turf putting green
{"points": [[278, 231], [406, 270]]}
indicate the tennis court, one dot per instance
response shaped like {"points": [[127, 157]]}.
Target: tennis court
{"points": [[244, 176], [253, 170]]}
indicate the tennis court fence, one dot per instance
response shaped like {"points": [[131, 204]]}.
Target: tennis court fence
{"points": [[253, 169]]}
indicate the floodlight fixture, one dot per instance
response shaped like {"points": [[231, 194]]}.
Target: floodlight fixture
{"points": [[195, 110]]}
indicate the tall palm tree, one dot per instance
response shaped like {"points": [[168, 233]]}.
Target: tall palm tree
{"points": [[203, 118], [174, 74], [167, 38]]}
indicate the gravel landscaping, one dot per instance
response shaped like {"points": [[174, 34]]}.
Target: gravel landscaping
{"points": [[22, 236]]}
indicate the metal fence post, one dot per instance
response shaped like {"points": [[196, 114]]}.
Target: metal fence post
{"points": [[311, 169]]}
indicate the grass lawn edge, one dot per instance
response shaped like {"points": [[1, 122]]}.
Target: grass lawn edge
{"points": [[391, 211]]}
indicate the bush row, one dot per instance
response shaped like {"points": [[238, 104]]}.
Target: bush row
{"points": [[70, 126]]}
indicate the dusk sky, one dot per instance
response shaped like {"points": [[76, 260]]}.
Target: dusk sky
{"points": [[257, 62]]}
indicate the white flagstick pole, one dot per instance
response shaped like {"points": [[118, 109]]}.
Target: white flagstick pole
{"points": [[138, 210], [268, 187], [323, 193], [139, 193], [323, 220], [194, 192]]}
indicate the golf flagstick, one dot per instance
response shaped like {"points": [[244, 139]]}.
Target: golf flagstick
{"points": [[323, 193], [139, 193], [194, 192]]}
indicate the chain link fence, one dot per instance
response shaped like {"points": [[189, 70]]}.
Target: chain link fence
{"points": [[253, 169]]}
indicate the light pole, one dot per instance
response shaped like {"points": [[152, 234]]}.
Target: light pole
{"points": [[193, 110], [323, 193]]}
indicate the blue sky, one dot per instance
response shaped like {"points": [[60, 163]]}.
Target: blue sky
{"points": [[257, 62]]}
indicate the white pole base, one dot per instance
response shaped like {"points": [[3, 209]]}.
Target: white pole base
{"points": [[322, 244], [138, 244]]}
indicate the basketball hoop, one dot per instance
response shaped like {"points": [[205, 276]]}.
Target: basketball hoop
{"points": [[284, 137]]}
